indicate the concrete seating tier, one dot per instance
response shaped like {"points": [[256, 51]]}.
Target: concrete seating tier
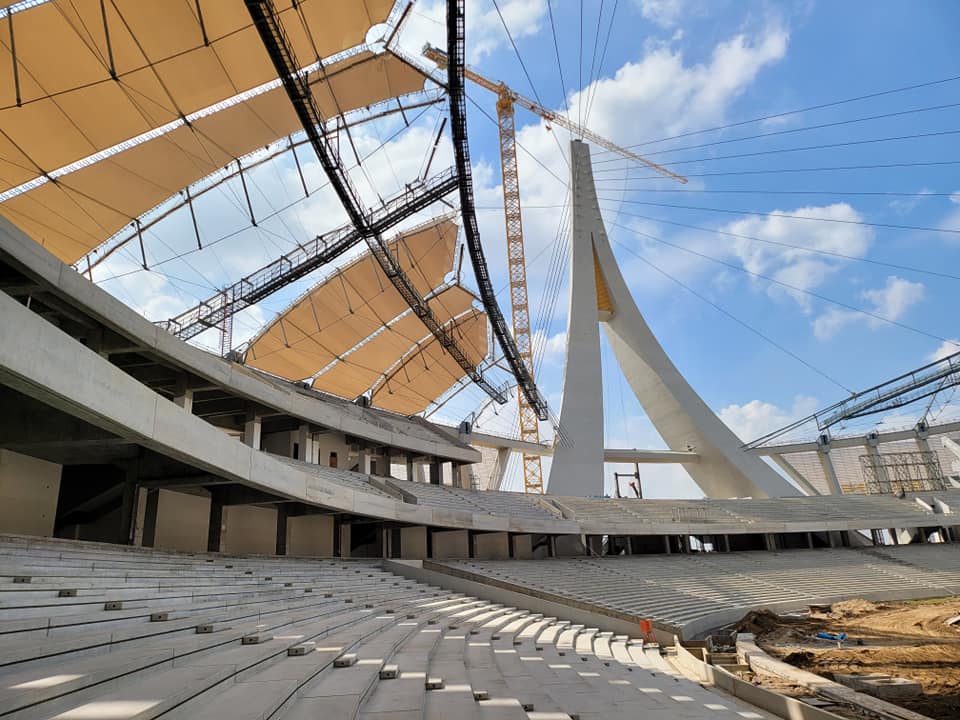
{"points": [[488, 501], [688, 590], [347, 478], [649, 511], [364, 643], [864, 511]]}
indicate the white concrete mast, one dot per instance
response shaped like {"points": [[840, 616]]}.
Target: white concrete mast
{"points": [[599, 294]]}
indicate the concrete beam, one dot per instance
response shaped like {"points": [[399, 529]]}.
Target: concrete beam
{"points": [[97, 307], [610, 455], [837, 443]]}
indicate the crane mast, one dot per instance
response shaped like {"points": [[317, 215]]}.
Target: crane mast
{"points": [[517, 269], [516, 262]]}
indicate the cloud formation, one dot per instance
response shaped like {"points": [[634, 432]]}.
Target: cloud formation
{"points": [[890, 302], [757, 418], [796, 266]]}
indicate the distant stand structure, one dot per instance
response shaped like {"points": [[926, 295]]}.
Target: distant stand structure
{"points": [[903, 434]]}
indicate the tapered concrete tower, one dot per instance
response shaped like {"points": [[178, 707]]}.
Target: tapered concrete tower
{"points": [[599, 294]]}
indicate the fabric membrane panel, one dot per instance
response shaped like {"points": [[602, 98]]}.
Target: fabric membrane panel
{"points": [[89, 76], [429, 371], [80, 210], [351, 305], [358, 371]]}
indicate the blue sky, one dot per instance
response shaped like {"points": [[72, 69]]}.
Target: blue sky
{"points": [[674, 67]]}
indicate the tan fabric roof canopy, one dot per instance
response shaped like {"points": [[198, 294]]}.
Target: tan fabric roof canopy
{"points": [[82, 209], [363, 368], [429, 371], [170, 58], [352, 305]]}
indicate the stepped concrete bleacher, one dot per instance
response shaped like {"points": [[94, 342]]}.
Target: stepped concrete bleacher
{"points": [[356, 481], [211, 636], [688, 594], [490, 502], [852, 512]]}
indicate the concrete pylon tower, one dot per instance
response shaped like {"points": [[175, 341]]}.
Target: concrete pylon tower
{"points": [[599, 294]]}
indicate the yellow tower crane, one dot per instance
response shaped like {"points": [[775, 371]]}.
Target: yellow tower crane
{"points": [[516, 262]]}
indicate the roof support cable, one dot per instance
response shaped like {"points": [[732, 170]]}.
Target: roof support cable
{"points": [[264, 16], [461, 148], [246, 193], [106, 34], [13, 56], [193, 217]]}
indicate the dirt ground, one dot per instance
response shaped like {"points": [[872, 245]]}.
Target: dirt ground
{"points": [[903, 639]]}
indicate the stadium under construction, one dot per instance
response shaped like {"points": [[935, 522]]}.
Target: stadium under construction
{"points": [[290, 526]]}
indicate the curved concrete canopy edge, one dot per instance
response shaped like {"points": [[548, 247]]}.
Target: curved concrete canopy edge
{"points": [[342, 416]]}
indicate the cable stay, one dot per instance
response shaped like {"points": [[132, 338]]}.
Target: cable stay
{"points": [[267, 23], [305, 259]]}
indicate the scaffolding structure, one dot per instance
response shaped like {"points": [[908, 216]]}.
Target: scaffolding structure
{"points": [[886, 473]]}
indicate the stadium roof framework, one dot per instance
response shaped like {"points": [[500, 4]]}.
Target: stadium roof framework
{"points": [[81, 209], [353, 333], [150, 63]]}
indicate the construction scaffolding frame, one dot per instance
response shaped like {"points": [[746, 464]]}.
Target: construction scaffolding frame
{"points": [[888, 473]]}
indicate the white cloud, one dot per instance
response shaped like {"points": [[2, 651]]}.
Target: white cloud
{"points": [[427, 24], [550, 351], [757, 418], [661, 94], [893, 300], [906, 205], [955, 197], [947, 347], [798, 267], [665, 13], [889, 302]]}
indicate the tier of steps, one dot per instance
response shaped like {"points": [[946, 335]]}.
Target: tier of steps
{"points": [[363, 643]]}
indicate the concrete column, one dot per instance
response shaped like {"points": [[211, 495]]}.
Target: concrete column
{"points": [[456, 477], [794, 474], [150, 518], [436, 477], [251, 430], [128, 505], [182, 395], [215, 526], [305, 443], [337, 537], [363, 461], [577, 467], [833, 485], [281, 548], [500, 469], [410, 475], [345, 540], [871, 446]]}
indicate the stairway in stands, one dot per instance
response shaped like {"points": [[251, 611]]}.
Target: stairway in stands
{"points": [[96, 631]]}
